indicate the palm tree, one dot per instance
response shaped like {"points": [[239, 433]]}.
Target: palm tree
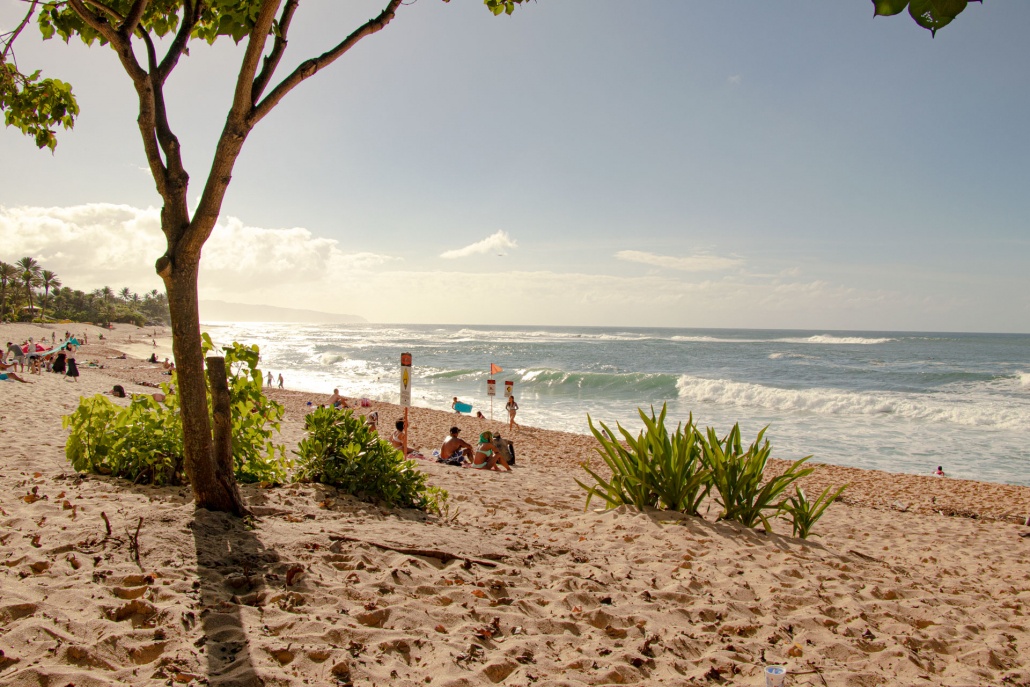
{"points": [[30, 275], [9, 274], [50, 281], [125, 294]]}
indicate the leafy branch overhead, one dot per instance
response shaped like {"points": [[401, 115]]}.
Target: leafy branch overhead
{"points": [[930, 14]]}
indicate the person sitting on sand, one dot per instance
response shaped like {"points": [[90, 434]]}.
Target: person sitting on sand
{"points": [[153, 357], [337, 401], [118, 391], [10, 376], [486, 455], [453, 446], [372, 420], [939, 472], [399, 438], [479, 414]]}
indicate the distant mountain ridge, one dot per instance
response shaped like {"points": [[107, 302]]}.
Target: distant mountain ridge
{"points": [[222, 311]]}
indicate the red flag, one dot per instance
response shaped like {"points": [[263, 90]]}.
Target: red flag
{"points": [[494, 369]]}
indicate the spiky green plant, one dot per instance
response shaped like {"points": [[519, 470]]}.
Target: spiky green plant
{"points": [[737, 477], [805, 513], [655, 469]]}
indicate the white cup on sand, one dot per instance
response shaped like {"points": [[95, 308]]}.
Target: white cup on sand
{"points": [[775, 675]]}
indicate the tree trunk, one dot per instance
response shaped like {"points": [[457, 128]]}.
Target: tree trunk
{"points": [[213, 489], [221, 414]]}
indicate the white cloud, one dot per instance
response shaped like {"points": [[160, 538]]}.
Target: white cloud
{"points": [[735, 80], [693, 263], [101, 244], [491, 244], [115, 245]]}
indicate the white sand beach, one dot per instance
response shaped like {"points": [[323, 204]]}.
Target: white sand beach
{"points": [[911, 580]]}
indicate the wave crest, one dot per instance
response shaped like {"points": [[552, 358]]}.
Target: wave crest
{"points": [[957, 409]]}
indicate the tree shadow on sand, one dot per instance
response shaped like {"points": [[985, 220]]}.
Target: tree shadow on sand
{"points": [[233, 567]]}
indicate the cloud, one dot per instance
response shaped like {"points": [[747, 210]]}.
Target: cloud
{"points": [[493, 243], [94, 245], [735, 80], [101, 244], [693, 263]]}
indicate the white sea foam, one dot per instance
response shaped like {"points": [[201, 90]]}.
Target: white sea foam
{"points": [[1024, 379], [973, 407], [826, 339]]}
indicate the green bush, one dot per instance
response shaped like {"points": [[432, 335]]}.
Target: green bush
{"points": [[143, 442], [737, 477], [805, 513], [342, 451], [655, 469]]}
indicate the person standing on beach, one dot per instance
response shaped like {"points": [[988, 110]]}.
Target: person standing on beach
{"points": [[511, 406], [269, 383], [280, 380], [73, 369], [18, 355]]}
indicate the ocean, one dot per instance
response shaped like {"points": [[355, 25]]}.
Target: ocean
{"points": [[896, 401]]}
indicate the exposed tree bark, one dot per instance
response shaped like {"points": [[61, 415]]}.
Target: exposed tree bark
{"points": [[222, 450]]}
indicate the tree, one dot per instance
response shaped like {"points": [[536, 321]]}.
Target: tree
{"points": [[30, 275], [9, 274], [125, 294], [50, 281], [262, 29]]}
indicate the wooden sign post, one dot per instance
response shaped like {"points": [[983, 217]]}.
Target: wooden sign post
{"points": [[405, 396]]}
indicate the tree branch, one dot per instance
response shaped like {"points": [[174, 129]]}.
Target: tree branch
{"points": [[309, 68], [271, 62], [132, 20], [190, 16], [243, 99], [14, 34]]}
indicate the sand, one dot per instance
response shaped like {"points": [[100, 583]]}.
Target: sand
{"points": [[912, 580]]}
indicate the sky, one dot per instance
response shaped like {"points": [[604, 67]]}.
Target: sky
{"points": [[581, 162]]}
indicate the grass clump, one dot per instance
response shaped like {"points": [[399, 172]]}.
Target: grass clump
{"points": [[655, 469], [678, 470], [342, 451]]}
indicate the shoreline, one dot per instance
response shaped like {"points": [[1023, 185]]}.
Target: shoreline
{"points": [[890, 591]]}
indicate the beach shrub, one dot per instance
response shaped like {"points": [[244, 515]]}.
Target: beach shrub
{"points": [[255, 418], [737, 477], [143, 442], [805, 513], [341, 450], [655, 469]]}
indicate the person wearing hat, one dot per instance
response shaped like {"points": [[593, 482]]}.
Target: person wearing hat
{"points": [[454, 445], [487, 455]]}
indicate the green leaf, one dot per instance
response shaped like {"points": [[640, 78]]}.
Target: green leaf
{"points": [[888, 8]]}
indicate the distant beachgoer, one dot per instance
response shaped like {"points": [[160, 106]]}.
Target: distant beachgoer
{"points": [[454, 445], [10, 376], [479, 414], [73, 369], [269, 381], [939, 472], [486, 456], [454, 405], [19, 355], [336, 400], [372, 420], [59, 366], [153, 357], [280, 380], [118, 391], [399, 438], [512, 407], [155, 343]]}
